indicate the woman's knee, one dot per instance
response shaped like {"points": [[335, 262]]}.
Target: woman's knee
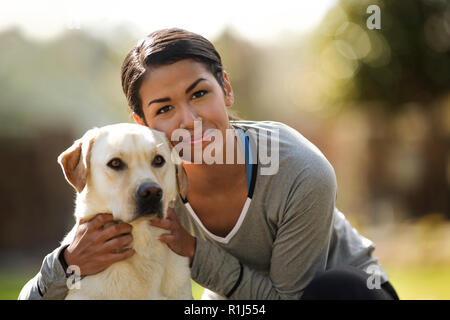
{"points": [[344, 283]]}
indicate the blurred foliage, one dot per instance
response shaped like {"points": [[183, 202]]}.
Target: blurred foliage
{"points": [[399, 77], [407, 59], [241, 61], [71, 82]]}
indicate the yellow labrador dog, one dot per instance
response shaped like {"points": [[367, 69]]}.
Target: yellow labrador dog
{"points": [[127, 170]]}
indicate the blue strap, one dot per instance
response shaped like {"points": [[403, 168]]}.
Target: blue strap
{"points": [[248, 157]]}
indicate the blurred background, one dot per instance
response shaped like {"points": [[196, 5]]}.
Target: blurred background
{"points": [[376, 101]]}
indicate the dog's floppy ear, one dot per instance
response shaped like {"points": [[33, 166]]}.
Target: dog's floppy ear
{"points": [[75, 160], [182, 181]]}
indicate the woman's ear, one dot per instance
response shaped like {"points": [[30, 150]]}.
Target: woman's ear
{"points": [[229, 96], [139, 120]]}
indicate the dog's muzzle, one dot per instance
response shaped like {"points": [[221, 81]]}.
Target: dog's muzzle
{"points": [[149, 200]]}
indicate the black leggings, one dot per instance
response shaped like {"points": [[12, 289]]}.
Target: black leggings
{"points": [[346, 283]]}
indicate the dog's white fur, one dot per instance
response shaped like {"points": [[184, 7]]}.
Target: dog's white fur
{"points": [[154, 271]]}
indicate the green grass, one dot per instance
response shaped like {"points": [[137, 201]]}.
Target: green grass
{"points": [[421, 282], [11, 284], [197, 290], [415, 282]]}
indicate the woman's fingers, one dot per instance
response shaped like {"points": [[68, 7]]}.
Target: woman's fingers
{"points": [[114, 231], [99, 220], [169, 223], [95, 247], [171, 214], [167, 238], [164, 223], [116, 244]]}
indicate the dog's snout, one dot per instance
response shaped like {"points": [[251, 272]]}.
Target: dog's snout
{"points": [[149, 199], [149, 191]]}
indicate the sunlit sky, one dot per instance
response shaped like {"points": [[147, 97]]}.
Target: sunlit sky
{"points": [[254, 20]]}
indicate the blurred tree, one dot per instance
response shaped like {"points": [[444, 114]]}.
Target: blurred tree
{"points": [[414, 62], [241, 60], [406, 62], [72, 81]]}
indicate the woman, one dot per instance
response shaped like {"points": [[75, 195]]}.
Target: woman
{"points": [[248, 234]]}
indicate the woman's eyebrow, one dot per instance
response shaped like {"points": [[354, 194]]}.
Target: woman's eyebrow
{"points": [[159, 100], [192, 86]]}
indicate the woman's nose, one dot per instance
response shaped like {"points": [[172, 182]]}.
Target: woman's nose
{"points": [[189, 115]]}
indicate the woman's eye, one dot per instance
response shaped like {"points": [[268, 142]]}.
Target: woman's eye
{"points": [[116, 164], [158, 161], [164, 109], [199, 94]]}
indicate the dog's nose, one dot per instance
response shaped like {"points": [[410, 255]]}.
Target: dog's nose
{"points": [[149, 192]]}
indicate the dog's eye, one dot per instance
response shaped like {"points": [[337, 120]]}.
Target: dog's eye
{"points": [[116, 164], [158, 161]]}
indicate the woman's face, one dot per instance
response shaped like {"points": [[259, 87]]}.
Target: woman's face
{"points": [[174, 96]]}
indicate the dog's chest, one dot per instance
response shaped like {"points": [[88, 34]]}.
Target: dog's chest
{"points": [[153, 272]]}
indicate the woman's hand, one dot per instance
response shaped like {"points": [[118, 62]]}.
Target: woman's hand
{"points": [[95, 247], [179, 240]]}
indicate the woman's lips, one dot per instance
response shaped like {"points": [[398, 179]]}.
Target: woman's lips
{"points": [[205, 137]]}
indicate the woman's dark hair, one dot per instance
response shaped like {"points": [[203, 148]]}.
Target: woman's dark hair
{"points": [[163, 47]]}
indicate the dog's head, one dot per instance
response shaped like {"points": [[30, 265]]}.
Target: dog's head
{"points": [[125, 169]]}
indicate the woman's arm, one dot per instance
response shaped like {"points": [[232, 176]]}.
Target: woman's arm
{"points": [[299, 250], [49, 283], [93, 249]]}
